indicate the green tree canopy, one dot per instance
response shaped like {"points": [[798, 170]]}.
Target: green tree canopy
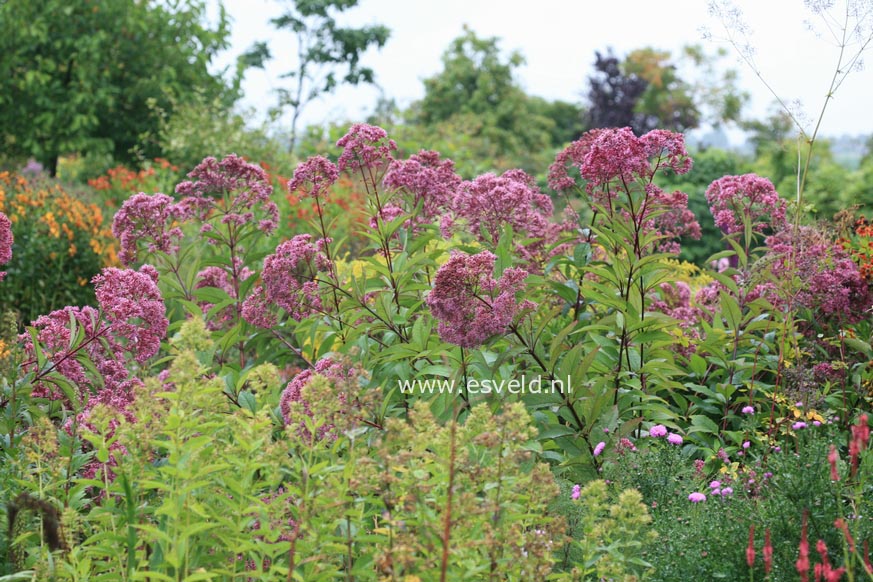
{"points": [[478, 95], [89, 76]]}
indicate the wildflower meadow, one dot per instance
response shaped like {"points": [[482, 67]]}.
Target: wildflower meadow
{"points": [[372, 364]]}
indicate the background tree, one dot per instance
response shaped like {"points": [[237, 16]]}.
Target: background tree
{"points": [[478, 97], [650, 89], [86, 76], [327, 54], [613, 95]]}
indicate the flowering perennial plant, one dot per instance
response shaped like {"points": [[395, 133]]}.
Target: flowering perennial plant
{"points": [[150, 219], [470, 304], [366, 148], [289, 279], [249, 187], [736, 200]]}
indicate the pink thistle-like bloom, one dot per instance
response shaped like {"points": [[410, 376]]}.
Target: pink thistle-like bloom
{"points": [[430, 184], [231, 189], [152, 219], [736, 199], [658, 431], [697, 497], [470, 305], [289, 277], [748, 410], [714, 484], [615, 155], [746, 444], [6, 240], [799, 425], [727, 491], [365, 146], [674, 439], [577, 492], [617, 164], [674, 300], [666, 149], [314, 177], [672, 218], [133, 306], [599, 448]]}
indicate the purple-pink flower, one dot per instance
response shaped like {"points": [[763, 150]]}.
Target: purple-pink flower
{"points": [[799, 425], [490, 203], [470, 304], [133, 306], [232, 190], [314, 177], [365, 146], [748, 409], [714, 484], [293, 392], [696, 497], [658, 431], [289, 277], [426, 183], [830, 282], [598, 449], [733, 200], [152, 220], [577, 492], [674, 439], [219, 278], [6, 240]]}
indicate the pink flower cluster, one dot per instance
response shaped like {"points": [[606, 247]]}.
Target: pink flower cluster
{"points": [[128, 327], [669, 215], [617, 165], [233, 189], [429, 183], [831, 283], [470, 305], [314, 177], [489, 203], [365, 147], [152, 219], [6, 240], [660, 431], [288, 280], [606, 158], [735, 200], [132, 305]]}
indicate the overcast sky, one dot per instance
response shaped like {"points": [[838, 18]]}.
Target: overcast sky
{"points": [[558, 39]]}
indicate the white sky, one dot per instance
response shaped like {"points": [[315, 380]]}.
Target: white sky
{"points": [[558, 39]]}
